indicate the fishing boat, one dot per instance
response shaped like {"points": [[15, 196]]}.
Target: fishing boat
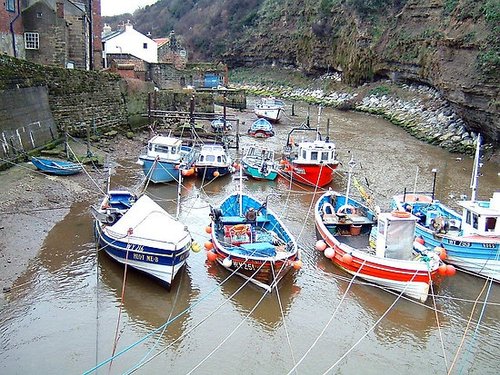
{"points": [[269, 109], [379, 248], [261, 128], [213, 161], [220, 125], [247, 238], [259, 163], [471, 238], [165, 158], [56, 167], [309, 162], [132, 231]]}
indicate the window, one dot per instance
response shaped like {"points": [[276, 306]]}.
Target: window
{"points": [[325, 155], [10, 5], [314, 155], [145, 45], [31, 41]]}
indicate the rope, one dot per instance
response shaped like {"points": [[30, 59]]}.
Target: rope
{"points": [[437, 318], [466, 329], [372, 327], [329, 321]]}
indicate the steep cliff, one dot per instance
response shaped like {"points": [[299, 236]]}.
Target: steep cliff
{"points": [[451, 45]]}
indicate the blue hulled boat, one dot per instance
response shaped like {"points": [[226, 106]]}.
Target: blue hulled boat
{"points": [[165, 158], [132, 232], [261, 128], [56, 167], [471, 239], [213, 161], [250, 240]]}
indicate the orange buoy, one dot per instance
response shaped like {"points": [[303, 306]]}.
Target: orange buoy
{"points": [[329, 252], [442, 269], [420, 240], [320, 245], [297, 264], [216, 174], [441, 251], [208, 229], [211, 256], [209, 245], [347, 258], [450, 270], [188, 172]]}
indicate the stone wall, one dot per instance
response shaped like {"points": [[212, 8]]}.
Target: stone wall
{"points": [[77, 98]]}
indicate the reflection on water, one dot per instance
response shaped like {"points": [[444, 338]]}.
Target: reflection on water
{"points": [[62, 313]]}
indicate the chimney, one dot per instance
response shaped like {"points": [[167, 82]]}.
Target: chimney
{"points": [[60, 10]]}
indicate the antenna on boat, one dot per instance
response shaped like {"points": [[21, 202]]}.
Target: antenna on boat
{"points": [[475, 169], [241, 191], [351, 164]]}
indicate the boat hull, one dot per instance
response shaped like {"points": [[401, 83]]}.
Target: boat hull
{"points": [[310, 174], [159, 171], [270, 114], [263, 253], [162, 265], [255, 173], [409, 277], [209, 172], [56, 167], [476, 254]]}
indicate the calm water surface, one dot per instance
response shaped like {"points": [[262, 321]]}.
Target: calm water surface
{"points": [[64, 312]]}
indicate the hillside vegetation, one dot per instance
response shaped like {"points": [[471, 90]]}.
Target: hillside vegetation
{"points": [[452, 45]]}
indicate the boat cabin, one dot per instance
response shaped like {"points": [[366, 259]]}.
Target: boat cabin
{"points": [[317, 152], [395, 236], [165, 147], [481, 217], [212, 155]]}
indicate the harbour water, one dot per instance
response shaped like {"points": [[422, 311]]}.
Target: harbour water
{"points": [[71, 310]]}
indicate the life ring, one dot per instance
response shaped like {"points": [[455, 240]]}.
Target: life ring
{"points": [[238, 229], [328, 209], [401, 214], [346, 209]]}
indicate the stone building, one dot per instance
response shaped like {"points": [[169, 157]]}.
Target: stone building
{"points": [[62, 33]]}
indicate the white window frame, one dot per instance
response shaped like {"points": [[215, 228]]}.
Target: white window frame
{"points": [[10, 5], [31, 40]]}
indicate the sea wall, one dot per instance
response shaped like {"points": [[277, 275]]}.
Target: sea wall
{"points": [[77, 98]]}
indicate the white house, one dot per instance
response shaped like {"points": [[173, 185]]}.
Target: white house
{"points": [[129, 41]]}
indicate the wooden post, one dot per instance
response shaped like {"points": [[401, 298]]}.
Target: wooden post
{"points": [[66, 141], [293, 109], [89, 153]]}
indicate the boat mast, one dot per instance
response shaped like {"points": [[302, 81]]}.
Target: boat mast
{"points": [[241, 191], [179, 187], [475, 169], [352, 164]]}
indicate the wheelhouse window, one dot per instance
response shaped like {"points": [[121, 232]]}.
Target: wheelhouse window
{"points": [[491, 223], [10, 5], [314, 155], [31, 40], [475, 221], [325, 155], [145, 45]]}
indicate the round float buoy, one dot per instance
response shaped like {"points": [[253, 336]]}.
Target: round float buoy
{"points": [[216, 174], [347, 258], [195, 246], [442, 269], [227, 262], [329, 252], [450, 270], [188, 172], [441, 252], [297, 264], [209, 245], [320, 245], [208, 229], [211, 256]]}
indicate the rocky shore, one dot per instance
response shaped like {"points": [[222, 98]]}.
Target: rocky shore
{"points": [[419, 109]]}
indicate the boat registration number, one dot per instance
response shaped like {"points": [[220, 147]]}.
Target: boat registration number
{"points": [[459, 243], [146, 258], [244, 266]]}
